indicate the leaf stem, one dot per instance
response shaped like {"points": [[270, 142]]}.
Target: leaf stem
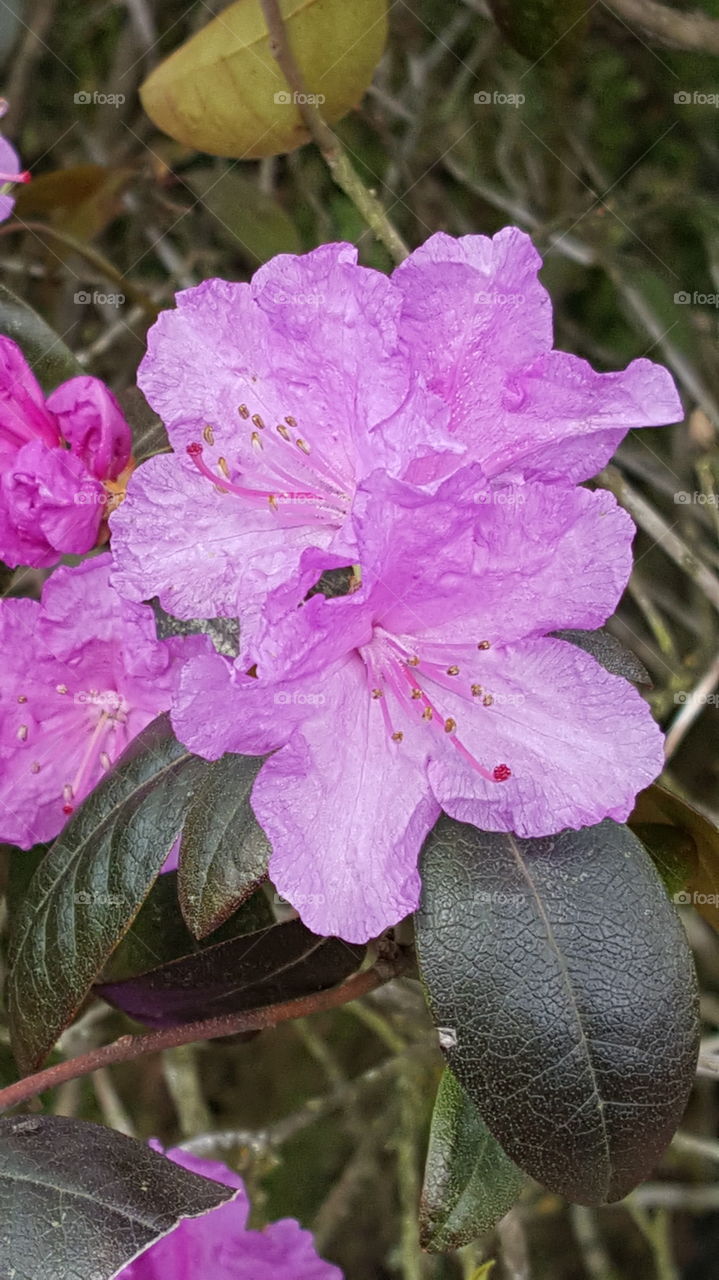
{"points": [[390, 964], [329, 145]]}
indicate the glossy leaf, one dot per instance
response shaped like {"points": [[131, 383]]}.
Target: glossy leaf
{"points": [[469, 1182], [83, 898], [79, 1200], [701, 886], [224, 851], [222, 90], [561, 975], [50, 360], [266, 967], [609, 652]]}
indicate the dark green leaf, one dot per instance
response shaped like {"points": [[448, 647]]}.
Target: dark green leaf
{"points": [[469, 1182], [562, 977], [609, 652], [701, 887], [271, 965], [148, 434], [84, 897], [542, 29], [158, 934], [672, 851], [251, 220], [50, 360], [224, 851], [79, 1201]]}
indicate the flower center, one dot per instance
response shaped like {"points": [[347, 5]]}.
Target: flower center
{"points": [[288, 469], [106, 715], [395, 671]]}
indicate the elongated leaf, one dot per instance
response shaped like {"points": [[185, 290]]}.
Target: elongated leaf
{"points": [[85, 895], [251, 220], [80, 1201], [271, 965], [562, 977], [610, 652], [50, 360], [656, 805], [224, 851], [469, 1182]]}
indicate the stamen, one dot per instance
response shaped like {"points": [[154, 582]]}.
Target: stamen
{"points": [[484, 644], [15, 177], [195, 452], [476, 690], [487, 700], [22, 733], [283, 431], [61, 688], [258, 421], [450, 725], [243, 411], [452, 671], [291, 422], [208, 434], [303, 446], [22, 698]]}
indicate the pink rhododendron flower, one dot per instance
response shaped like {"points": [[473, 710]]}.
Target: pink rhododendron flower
{"points": [[11, 172], [278, 397], [59, 458], [82, 673], [433, 686], [220, 1246]]}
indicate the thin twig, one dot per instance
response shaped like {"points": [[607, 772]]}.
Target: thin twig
{"points": [[694, 31], [129, 1047], [334, 154]]}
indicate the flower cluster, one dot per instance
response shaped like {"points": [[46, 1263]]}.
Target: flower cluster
{"points": [[219, 1243], [418, 438]]}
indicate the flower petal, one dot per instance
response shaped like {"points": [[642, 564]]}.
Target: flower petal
{"points": [[580, 743], [346, 810]]}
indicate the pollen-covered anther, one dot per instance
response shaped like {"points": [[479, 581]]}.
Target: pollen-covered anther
{"points": [[22, 697], [377, 693], [22, 732], [501, 772], [258, 421], [484, 644], [477, 691], [208, 434], [291, 422], [413, 661], [222, 464], [243, 411], [450, 725], [282, 430], [487, 700], [61, 688], [427, 713], [303, 446], [397, 736], [256, 441], [272, 502], [452, 671], [416, 693]]}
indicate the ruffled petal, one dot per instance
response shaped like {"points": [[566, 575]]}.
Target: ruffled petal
{"points": [[346, 810], [92, 422], [580, 743], [49, 506]]}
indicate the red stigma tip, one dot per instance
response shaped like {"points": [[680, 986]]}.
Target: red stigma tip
{"points": [[195, 449], [68, 808], [501, 773]]}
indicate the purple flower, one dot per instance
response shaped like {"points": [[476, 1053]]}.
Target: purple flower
{"points": [[10, 173], [61, 459], [479, 326], [278, 397], [435, 685], [82, 674], [219, 1245]]}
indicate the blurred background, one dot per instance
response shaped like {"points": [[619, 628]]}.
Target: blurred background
{"points": [[585, 127]]}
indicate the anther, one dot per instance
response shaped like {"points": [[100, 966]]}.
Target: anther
{"points": [[208, 434], [450, 725], [283, 431], [302, 446], [272, 500], [484, 644], [397, 736], [256, 442], [377, 693], [413, 661], [427, 713], [35, 766], [22, 698], [243, 411], [222, 464], [452, 671], [22, 732], [416, 693], [487, 700], [476, 690], [61, 688], [291, 422], [258, 421]]}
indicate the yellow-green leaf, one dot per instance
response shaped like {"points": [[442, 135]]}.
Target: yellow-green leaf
{"points": [[222, 91], [656, 805]]}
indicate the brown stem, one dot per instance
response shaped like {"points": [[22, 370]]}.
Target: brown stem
{"points": [[129, 1047], [695, 31], [335, 157]]}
